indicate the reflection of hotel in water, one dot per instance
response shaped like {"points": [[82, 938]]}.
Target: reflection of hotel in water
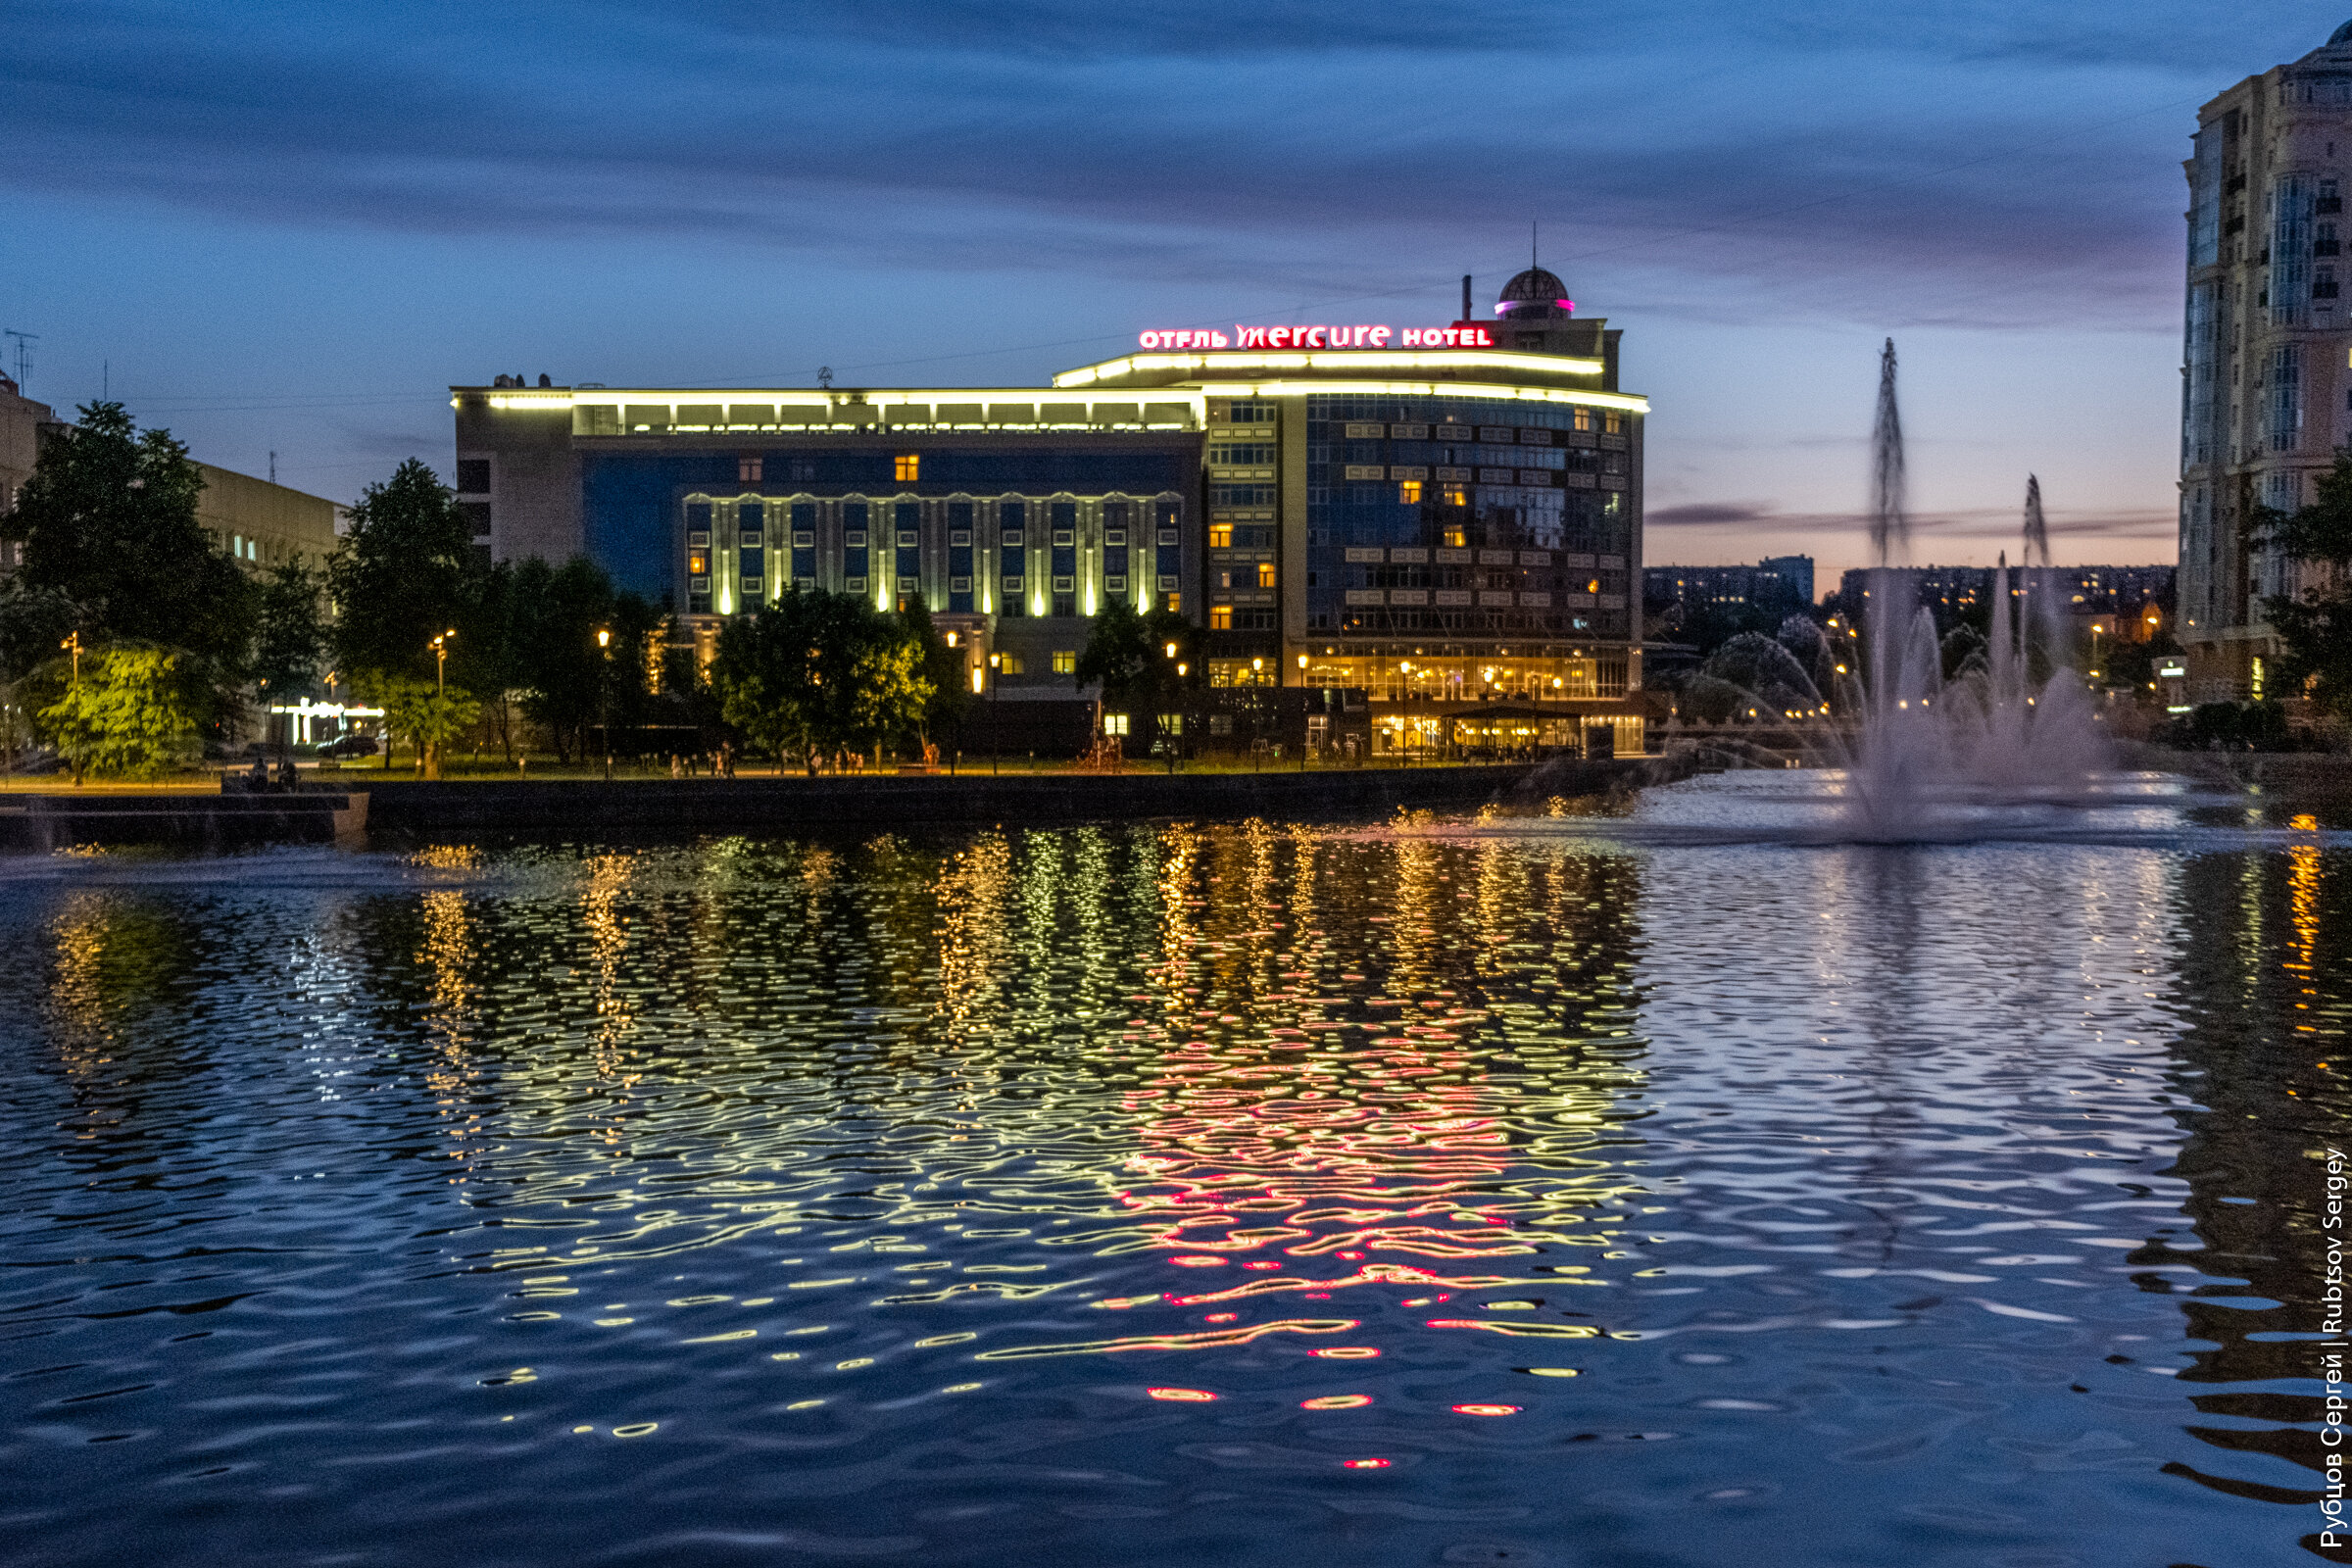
{"points": [[1448, 518]]}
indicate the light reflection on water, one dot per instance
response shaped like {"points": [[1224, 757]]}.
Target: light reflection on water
{"points": [[1535, 1192]]}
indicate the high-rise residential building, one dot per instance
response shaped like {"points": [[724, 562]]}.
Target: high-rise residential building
{"points": [[1446, 518], [2266, 386]]}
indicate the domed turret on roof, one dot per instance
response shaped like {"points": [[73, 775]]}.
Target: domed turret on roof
{"points": [[1535, 294], [2341, 37]]}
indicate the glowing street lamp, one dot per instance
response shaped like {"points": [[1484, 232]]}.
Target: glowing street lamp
{"points": [[603, 644]]}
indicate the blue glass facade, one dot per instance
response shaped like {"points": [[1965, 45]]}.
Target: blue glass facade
{"points": [[1471, 517]]}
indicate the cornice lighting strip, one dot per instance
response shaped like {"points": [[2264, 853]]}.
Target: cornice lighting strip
{"points": [[1334, 360], [796, 398], [1425, 389]]}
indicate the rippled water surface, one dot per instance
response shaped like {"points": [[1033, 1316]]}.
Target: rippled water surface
{"points": [[1650, 1188]]}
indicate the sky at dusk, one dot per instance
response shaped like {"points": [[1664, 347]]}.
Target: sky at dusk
{"points": [[290, 226]]}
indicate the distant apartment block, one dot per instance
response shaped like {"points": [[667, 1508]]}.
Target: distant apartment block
{"points": [[1776, 581], [2083, 590]]}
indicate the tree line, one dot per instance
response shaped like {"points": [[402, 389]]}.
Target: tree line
{"points": [[130, 639]]}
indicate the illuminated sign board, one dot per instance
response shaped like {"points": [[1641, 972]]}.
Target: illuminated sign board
{"points": [[1363, 336]]}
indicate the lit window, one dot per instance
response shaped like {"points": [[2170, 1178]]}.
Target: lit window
{"points": [[1455, 496], [1010, 663], [1265, 574], [747, 471], [1220, 536], [1065, 661], [1175, 604], [1455, 537], [1583, 418], [1410, 492], [1114, 723], [696, 566], [909, 467], [1220, 617], [1616, 423]]}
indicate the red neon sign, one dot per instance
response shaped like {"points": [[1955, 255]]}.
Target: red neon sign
{"points": [[1354, 337]]}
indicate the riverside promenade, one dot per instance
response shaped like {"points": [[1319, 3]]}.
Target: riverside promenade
{"points": [[789, 803], [359, 805]]}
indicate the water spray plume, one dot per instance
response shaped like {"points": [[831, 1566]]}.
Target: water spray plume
{"points": [[1889, 529], [1947, 729]]}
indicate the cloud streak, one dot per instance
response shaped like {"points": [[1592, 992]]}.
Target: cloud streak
{"points": [[1829, 163]]}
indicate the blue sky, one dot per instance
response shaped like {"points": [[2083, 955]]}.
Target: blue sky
{"points": [[290, 225]]}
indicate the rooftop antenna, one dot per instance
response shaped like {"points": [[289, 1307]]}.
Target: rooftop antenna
{"points": [[824, 376], [1531, 244], [25, 342], [273, 467]]}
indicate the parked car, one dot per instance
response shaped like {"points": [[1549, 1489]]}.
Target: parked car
{"points": [[348, 746]]}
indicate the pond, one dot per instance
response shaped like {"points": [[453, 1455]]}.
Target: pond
{"points": [[1649, 1184]]}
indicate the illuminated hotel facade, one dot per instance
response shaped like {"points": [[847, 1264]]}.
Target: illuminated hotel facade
{"points": [[1446, 517]]}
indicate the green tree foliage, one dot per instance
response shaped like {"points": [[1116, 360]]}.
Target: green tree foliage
{"points": [[891, 692], [2315, 628], [429, 714], [942, 666], [132, 714], [549, 618], [404, 573], [289, 647], [34, 624], [817, 672], [1128, 654], [108, 519]]}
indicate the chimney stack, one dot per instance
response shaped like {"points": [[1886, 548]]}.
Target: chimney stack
{"points": [[1465, 296]]}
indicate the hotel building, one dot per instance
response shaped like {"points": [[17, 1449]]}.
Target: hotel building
{"points": [[2266, 394], [1446, 517]]}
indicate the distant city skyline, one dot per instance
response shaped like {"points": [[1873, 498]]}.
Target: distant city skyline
{"points": [[293, 235]]}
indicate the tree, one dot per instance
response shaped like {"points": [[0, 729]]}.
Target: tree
{"points": [[942, 666], [290, 644], [547, 619], [2315, 627], [429, 714], [791, 677], [132, 714], [34, 624], [404, 573], [1129, 655], [108, 519], [889, 692], [554, 614]]}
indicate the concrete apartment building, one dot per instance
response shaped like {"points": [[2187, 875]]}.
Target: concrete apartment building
{"points": [[261, 524], [2267, 384], [1446, 518], [1774, 580]]}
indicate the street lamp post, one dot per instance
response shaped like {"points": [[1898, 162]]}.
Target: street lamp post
{"points": [[440, 646], [604, 696]]}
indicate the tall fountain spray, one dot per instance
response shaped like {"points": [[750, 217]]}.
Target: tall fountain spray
{"points": [[1889, 528], [1929, 743]]}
